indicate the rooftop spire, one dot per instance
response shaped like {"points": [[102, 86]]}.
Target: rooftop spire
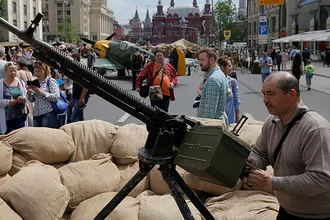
{"points": [[147, 16], [136, 15], [195, 3], [172, 3], [160, 2]]}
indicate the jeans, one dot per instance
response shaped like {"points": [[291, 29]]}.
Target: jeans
{"points": [[309, 79], [283, 215], [264, 76], [14, 124], [134, 74], [69, 109], [77, 112], [46, 120], [162, 104], [61, 120]]}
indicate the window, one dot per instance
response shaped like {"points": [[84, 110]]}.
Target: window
{"points": [[68, 13], [15, 23], [59, 5], [34, 11], [25, 25], [59, 12], [14, 8], [25, 10]]}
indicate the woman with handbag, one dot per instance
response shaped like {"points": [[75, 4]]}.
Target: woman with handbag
{"points": [[12, 100], [161, 79], [43, 95]]}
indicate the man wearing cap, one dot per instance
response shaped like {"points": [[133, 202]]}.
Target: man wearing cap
{"points": [[2, 62], [29, 59]]}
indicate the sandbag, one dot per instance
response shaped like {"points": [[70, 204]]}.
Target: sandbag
{"points": [[157, 183], [36, 192], [4, 178], [243, 205], [46, 145], [6, 153], [6, 213], [90, 137], [250, 131], [85, 179], [130, 138], [197, 184], [18, 162], [128, 209], [162, 207], [126, 173]]}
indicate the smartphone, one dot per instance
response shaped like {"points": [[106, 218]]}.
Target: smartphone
{"points": [[33, 83], [82, 106]]}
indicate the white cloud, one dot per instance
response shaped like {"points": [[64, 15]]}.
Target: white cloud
{"points": [[124, 10]]}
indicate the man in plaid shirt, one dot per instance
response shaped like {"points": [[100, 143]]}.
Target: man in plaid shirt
{"points": [[214, 89]]}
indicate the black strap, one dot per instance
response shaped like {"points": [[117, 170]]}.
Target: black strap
{"points": [[291, 124], [156, 75]]}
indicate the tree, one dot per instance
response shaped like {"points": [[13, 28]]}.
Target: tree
{"points": [[3, 8], [225, 15], [66, 31]]}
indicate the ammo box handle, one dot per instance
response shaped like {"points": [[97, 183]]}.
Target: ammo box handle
{"points": [[240, 123]]}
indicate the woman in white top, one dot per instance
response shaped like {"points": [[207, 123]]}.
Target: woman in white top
{"points": [[12, 100]]}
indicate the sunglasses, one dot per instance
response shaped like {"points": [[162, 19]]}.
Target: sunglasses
{"points": [[9, 64]]}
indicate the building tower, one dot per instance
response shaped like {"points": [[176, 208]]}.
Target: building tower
{"points": [[172, 3], [147, 22], [158, 24], [160, 8], [136, 22], [195, 3], [206, 23]]}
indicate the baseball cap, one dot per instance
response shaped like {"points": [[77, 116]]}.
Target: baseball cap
{"points": [[60, 82]]}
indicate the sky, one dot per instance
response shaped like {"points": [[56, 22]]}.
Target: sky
{"points": [[124, 10]]}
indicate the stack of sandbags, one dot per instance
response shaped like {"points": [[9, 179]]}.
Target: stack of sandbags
{"points": [[90, 137], [4, 179], [250, 131], [85, 179], [129, 139], [128, 209], [126, 173], [157, 183], [36, 192], [7, 213], [18, 162], [162, 207], [6, 153], [243, 205], [49, 146]]}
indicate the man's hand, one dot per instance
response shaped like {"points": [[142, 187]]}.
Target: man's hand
{"points": [[20, 99], [81, 102], [12, 102], [260, 180]]}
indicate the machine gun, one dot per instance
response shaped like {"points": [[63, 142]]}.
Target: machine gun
{"points": [[165, 131]]}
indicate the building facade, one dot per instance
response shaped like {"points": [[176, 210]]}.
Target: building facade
{"points": [[242, 8], [140, 30], [20, 13]]}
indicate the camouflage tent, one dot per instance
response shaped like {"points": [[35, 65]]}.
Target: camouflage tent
{"points": [[183, 44]]}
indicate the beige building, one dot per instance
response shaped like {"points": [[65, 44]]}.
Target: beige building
{"points": [[20, 13], [91, 18]]}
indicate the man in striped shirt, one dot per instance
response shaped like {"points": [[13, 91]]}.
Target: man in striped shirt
{"points": [[214, 89]]}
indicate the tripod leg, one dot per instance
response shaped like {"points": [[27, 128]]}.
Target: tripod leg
{"points": [[169, 179], [191, 195], [144, 170]]}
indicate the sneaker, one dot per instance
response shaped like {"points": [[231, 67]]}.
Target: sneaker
{"points": [[308, 89]]}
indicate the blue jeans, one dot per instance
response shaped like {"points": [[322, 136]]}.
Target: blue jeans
{"points": [[46, 120], [264, 76], [309, 79], [61, 120], [14, 124], [77, 112]]}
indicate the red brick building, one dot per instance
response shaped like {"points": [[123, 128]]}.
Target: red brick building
{"points": [[189, 22]]}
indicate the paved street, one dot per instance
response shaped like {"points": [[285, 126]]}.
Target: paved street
{"points": [[250, 93]]}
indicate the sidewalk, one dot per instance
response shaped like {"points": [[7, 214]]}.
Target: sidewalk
{"points": [[321, 70], [321, 79]]}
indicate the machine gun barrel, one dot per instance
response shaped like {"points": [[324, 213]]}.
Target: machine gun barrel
{"points": [[88, 78]]}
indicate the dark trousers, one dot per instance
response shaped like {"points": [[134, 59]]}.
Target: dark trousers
{"points": [[162, 104], [14, 124], [134, 74], [69, 110], [283, 215], [326, 61]]}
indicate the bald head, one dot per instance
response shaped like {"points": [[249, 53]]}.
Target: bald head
{"points": [[285, 81]]}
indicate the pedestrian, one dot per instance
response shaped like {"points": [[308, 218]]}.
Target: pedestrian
{"points": [[43, 96], [23, 72], [285, 58], [273, 56], [278, 59], [137, 63], [233, 102], [265, 63], [309, 70], [327, 56], [162, 75], [61, 117], [215, 87], [2, 61], [12, 100], [300, 162], [305, 55], [297, 66]]}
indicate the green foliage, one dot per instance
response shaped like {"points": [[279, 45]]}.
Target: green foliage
{"points": [[225, 16], [3, 8], [66, 31]]}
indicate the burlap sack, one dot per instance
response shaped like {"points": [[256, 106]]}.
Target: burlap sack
{"points": [[85, 179], [157, 183], [43, 144], [128, 209], [197, 184], [243, 205], [18, 162], [4, 178], [129, 139], [36, 192], [90, 137], [6, 153], [6, 213], [126, 173], [161, 207], [250, 131]]}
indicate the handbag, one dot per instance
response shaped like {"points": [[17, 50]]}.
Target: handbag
{"points": [[155, 92], [61, 105], [144, 89]]}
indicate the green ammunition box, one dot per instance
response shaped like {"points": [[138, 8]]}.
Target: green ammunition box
{"points": [[213, 154]]}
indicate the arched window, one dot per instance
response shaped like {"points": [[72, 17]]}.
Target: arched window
{"points": [[190, 15], [169, 15], [197, 15], [175, 15]]}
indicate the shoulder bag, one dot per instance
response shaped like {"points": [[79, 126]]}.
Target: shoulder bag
{"points": [[61, 105], [144, 90]]}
